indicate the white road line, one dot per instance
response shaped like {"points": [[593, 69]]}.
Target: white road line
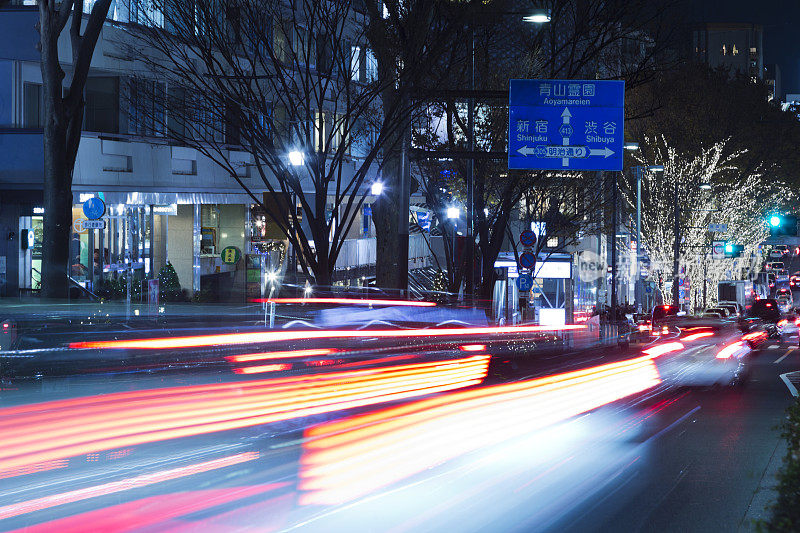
{"points": [[773, 347], [789, 384], [784, 356]]}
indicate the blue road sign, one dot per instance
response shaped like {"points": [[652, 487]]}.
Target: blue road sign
{"points": [[527, 260], [527, 238], [94, 208], [525, 282], [566, 124]]}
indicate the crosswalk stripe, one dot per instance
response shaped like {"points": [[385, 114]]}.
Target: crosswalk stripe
{"points": [[786, 379]]}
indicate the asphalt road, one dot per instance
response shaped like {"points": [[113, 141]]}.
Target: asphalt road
{"points": [[711, 458]]}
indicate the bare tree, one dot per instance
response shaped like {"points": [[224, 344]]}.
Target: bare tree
{"points": [[584, 39], [64, 107], [264, 78], [413, 42]]}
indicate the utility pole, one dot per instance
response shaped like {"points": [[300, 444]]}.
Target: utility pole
{"points": [[470, 248], [614, 248]]}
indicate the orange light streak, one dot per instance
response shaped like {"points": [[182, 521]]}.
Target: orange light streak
{"points": [[661, 349], [73, 427], [350, 458], [46, 502], [695, 336], [243, 358], [473, 347], [344, 301], [283, 336], [262, 368]]}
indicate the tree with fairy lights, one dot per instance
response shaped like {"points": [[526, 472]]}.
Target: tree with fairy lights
{"points": [[710, 190]]}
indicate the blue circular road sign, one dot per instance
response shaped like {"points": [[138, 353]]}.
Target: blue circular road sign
{"points": [[94, 208], [527, 238], [527, 260], [525, 282]]}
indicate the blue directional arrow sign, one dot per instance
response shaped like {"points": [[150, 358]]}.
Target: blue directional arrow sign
{"points": [[566, 124]]}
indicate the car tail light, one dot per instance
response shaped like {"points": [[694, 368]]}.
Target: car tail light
{"points": [[661, 349], [699, 335], [731, 350]]}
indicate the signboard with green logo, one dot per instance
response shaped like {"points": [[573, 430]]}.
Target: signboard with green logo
{"points": [[230, 255]]}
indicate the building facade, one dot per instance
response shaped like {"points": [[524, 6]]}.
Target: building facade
{"points": [[165, 202]]}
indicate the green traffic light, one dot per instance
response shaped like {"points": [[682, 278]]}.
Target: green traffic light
{"points": [[729, 248], [774, 221]]}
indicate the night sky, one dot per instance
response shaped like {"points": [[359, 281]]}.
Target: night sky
{"points": [[781, 21]]}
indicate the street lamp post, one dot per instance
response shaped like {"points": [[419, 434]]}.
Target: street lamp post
{"points": [[453, 213], [535, 16]]}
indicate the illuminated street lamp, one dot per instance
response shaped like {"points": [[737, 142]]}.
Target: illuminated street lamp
{"points": [[377, 188], [538, 16], [295, 158], [631, 146]]}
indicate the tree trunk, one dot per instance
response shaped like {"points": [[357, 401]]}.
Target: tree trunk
{"points": [[387, 235], [57, 216]]}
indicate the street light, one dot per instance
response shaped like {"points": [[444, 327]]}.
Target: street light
{"points": [[705, 186], [453, 213], [538, 16], [774, 221], [295, 158], [632, 146], [535, 16], [377, 188]]}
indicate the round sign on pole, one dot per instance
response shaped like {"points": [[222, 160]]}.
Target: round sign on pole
{"points": [[94, 208], [525, 282], [527, 260], [527, 238], [230, 255]]}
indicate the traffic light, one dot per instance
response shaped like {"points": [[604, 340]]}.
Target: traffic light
{"points": [[782, 225], [733, 250]]}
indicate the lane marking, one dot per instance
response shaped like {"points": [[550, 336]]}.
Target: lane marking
{"points": [[773, 347], [789, 384], [784, 356]]}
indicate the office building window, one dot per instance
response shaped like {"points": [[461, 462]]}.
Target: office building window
{"points": [[146, 101], [371, 66], [33, 106], [355, 63], [102, 105]]}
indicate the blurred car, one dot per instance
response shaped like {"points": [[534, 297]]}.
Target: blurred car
{"points": [[642, 327], [708, 352], [767, 312], [774, 265], [663, 312], [716, 312], [781, 274], [779, 251], [732, 308], [788, 327], [794, 282], [785, 301]]}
